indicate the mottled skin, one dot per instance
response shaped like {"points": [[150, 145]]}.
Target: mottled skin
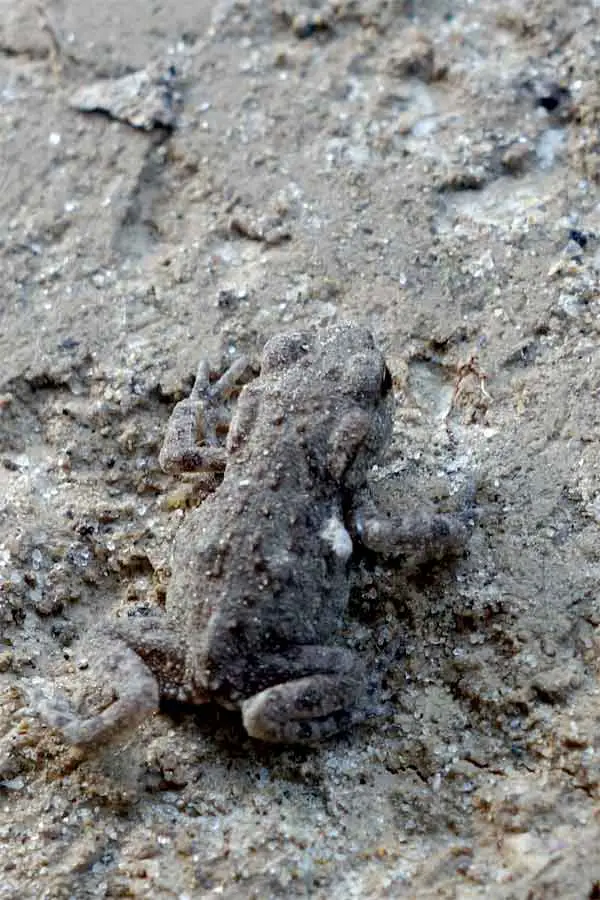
{"points": [[260, 568]]}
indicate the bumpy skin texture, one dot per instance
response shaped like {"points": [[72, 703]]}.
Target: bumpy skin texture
{"points": [[260, 569]]}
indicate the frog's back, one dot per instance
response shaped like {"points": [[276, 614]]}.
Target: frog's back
{"points": [[259, 563]]}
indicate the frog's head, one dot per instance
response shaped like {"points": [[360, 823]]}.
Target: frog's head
{"points": [[361, 385], [339, 380]]}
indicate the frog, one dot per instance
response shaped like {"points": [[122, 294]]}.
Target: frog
{"points": [[260, 579]]}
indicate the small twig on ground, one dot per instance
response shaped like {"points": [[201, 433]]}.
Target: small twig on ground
{"points": [[463, 371], [58, 53]]}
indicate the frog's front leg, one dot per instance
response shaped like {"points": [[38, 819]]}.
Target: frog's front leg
{"points": [[425, 535], [136, 661], [192, 441], [314, 694]]}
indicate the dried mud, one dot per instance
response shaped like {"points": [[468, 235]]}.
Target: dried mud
{"points": [[430, 169]]}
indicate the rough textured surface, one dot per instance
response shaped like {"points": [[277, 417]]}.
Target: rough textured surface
{"points": [[431, 170], [261, 568]]}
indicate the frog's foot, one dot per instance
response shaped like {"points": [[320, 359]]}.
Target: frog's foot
{"points": [[194, 437], [306, 709], [135, 696]]}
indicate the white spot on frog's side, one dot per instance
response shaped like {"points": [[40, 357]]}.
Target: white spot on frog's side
{"points": [[334, 533]]}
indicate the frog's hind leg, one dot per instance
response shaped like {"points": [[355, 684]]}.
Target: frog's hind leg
{"points": [[133, 663], [315, 695], [135, 695]]}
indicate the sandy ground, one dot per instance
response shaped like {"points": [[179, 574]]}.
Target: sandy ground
{"points": [[430, 169]]}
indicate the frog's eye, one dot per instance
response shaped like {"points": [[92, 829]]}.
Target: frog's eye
{"points": [[386, 381]]}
